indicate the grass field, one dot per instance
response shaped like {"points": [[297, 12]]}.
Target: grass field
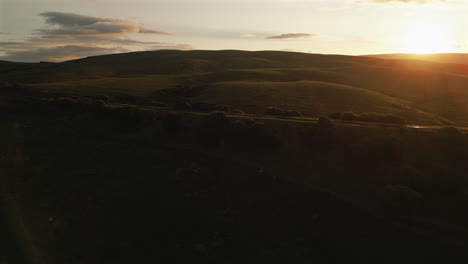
{"points": [[419, 91], [128, 85], [311, 98]]}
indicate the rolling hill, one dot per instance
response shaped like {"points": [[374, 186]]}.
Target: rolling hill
{"points": [[417, 90], [450, 58]]}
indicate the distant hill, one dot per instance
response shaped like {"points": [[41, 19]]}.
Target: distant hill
{"points": [[451, 58], [417, 90]]}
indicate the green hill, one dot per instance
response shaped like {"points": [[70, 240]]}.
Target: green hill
{"points": [[311, 83]]}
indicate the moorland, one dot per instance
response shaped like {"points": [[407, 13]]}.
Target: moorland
{"points": [[234, 156]]}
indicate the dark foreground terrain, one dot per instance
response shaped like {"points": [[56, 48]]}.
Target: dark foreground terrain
{"points": [[233, 157], [88, 181]]}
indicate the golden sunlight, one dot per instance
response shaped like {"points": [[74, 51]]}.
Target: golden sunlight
{"points": [[424, 35]]}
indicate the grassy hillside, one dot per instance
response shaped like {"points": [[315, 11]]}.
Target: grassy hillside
{"points": [[417, 90], [311, 98], [107, 184], [451, 58], [143, 85]]}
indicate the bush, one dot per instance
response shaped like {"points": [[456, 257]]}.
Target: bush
{"points": [[274, 111], [368, 117], [392, 119], [249, 121], [335, 115], [324, 122], [239, 126], [182, 106], [97, 105], [381, 118], [281, 112], [237, 112], [223, 108], [129, 99], [218, 116], [104, 98], [203, 107], [349, 116], [128, 112], [158, 104], [293, 113]]}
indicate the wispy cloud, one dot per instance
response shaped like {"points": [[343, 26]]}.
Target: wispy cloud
{"points": [[248, 35], [293, 36], [75, 24], [68, 36]]}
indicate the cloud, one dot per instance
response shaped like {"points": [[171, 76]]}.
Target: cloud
{"points": [[75, 24], [69, 37], [248, 35], [293, 36], [420, 2]]}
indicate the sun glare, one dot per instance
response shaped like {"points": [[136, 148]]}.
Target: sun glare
{"points": [[426, 36]]}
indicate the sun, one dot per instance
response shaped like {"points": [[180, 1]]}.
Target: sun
{"points": [[425, 35]]}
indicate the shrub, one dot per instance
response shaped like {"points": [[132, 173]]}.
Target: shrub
{"points": [[324, 122], [128, 117], [392, 119], [97, 105], [239, 126], [335, 115], [293, 113], [129, 99], [64, 102], [182, 106], [158, 104], [128, 112], [281, 112], [249, 121], [223, 108], [106, 99], [218, 116], [275, 111], [237, 112], [203, 107], [349, 116]]}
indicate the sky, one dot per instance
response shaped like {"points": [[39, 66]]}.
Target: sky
{"points": [[58, 30]]}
